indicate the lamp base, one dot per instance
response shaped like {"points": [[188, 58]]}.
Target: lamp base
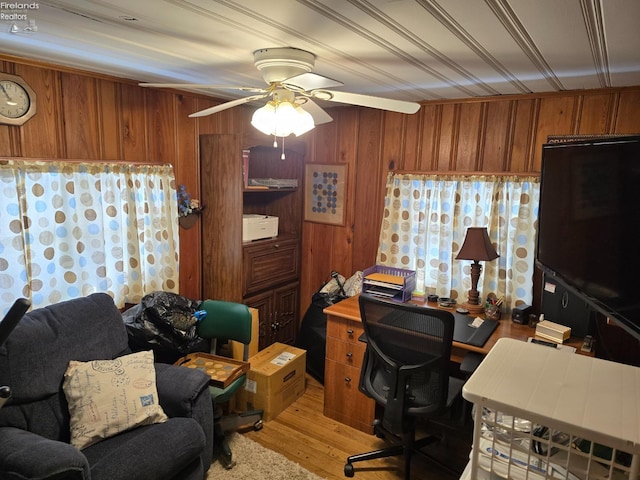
{"points": [[473, 308]]}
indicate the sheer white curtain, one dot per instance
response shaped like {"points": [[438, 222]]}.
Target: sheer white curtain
{"points": [[68, 229], [424, 224]]}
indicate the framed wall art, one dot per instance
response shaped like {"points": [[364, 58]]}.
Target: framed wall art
{"points": [[325, 189]]}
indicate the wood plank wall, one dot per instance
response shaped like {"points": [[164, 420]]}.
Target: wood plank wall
{"points": [[83, 115], [496, 134]]}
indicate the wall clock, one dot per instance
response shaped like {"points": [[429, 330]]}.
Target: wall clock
{"points": [[17, 100]]}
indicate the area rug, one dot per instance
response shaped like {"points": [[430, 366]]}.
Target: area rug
{"points": [[254, 461]]}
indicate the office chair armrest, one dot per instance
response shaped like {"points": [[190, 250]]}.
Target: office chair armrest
{"points": [[470, 362], [179, 388], [59, 460]]}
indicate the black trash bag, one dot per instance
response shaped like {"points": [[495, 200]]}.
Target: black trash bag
{"points": [[165, 323], [312, 335]]}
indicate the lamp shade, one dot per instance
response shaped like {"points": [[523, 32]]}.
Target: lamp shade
{"points": [[477, 245], [262, 118], [304, 122], [281, 119]]}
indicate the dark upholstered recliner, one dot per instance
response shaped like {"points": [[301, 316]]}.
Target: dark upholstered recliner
{"points": [[35, 422]]}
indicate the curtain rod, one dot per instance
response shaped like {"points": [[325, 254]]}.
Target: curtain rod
{"points": [[77, 160], [465, 174]]}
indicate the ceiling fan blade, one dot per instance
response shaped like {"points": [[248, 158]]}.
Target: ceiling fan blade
{"points": [[310, 81], [203, 85], [318, 114], [225, 106], [400, 106]]}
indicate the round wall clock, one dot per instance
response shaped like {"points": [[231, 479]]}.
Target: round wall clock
{"points": [[17, 100]]}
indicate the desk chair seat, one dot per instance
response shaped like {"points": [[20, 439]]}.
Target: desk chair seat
{"points": [[406, 371], [228, 321]]}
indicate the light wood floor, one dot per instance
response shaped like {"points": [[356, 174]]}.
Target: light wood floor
{"points": [[303, 434]]}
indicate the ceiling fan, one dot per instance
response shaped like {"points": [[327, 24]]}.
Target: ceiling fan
{"points": [[287, 72]]}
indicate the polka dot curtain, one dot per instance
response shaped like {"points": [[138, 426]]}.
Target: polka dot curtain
{"points": [[68, 229], [425, 221]]}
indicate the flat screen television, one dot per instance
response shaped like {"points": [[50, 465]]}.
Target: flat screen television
{"points": [[588, 219]]}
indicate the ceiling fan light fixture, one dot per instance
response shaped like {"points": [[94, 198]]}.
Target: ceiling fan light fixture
{"points": [[281, 119]]}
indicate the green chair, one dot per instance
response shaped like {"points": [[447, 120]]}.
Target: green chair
{"points": [[228, 321]]}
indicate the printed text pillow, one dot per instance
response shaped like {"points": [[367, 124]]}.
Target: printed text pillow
{"points": [[107, 397]]}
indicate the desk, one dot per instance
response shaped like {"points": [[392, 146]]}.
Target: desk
{"points": [[344, 353]]}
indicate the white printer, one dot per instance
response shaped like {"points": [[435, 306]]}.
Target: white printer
{"points": [[255, 227]]}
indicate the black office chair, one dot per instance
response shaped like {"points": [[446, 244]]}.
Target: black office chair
{"points": [[7, 324], [406, 371]]}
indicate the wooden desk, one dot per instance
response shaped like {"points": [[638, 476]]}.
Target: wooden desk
{"points": [[344, 353]]}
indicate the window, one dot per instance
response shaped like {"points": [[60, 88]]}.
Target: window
{"points": [[425, 221], [68, 229]]}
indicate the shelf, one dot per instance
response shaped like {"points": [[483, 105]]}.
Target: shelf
{"points": [[269, 189]]}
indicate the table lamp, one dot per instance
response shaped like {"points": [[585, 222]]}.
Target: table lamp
{"points": [[476, 247]]}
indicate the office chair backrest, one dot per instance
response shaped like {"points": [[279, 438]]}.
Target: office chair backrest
{"points": [[12, 317], [226, 321], [406, 366]]}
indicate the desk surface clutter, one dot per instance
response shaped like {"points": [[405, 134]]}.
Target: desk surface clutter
{"points": [[466, 337]]}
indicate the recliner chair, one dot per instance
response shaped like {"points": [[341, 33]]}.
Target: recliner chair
{"points": [[35, 422], [228, 321], [406, 371]]}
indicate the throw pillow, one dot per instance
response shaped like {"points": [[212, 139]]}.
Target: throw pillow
{"points": [[107, 397]]}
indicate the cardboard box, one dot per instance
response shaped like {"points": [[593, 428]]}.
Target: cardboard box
{"points": [[275, 380], [237, 348]]}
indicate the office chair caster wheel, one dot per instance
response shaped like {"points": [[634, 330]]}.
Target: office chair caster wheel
{"points": [[348, 470], [377, 430], [227, 462], [258, 425]]}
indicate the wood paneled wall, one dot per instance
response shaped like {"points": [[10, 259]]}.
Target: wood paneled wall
{"points": [[495, 134], [89, 116], [95, 117]]}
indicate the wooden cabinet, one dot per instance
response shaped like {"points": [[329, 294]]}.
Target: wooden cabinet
{"points": [[271, 271], [277, 313], [343, 401], [263, 274]]}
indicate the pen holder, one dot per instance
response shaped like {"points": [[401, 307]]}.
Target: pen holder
{"points": [[492, 312]]}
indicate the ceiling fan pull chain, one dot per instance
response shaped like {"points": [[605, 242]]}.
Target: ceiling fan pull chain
{"points": [[282, 156], [275, 141]]}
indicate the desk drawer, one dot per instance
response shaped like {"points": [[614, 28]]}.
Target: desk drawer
{"points": [[344, 329], [346, 353], [342, 399]]}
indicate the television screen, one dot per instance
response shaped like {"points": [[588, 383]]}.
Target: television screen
{"points": [[587, 221]]}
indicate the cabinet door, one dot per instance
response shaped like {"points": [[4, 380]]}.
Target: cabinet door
{"points": [[263, 302], [286, 301], [269, 263]]}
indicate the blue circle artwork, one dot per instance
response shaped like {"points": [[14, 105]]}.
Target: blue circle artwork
{"points": [[325, 193]]}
